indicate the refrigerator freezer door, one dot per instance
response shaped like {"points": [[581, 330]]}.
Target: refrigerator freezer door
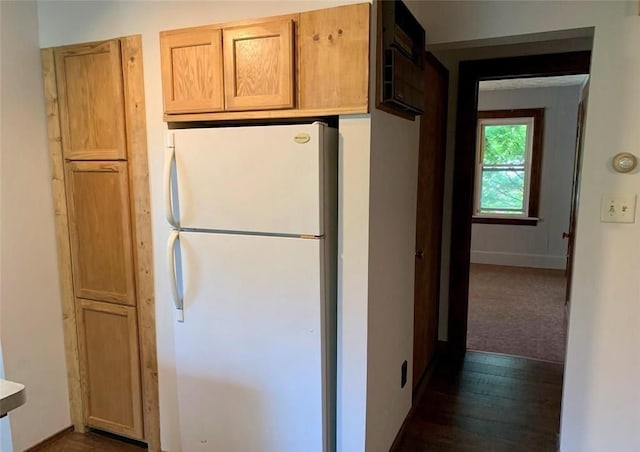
{"points": [[249, 355], [264, 179]]}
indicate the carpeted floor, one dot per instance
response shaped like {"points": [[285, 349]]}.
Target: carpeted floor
{"points": [[517, 311]]}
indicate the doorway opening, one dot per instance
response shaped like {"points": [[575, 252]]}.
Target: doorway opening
{"points": [[525, 395], [524, 175], [471, 73]]}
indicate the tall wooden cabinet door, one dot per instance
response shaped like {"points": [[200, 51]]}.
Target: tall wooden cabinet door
{"points": [[109, 366], [258, 66], [100, 231], [192, 70], [91, 99]]}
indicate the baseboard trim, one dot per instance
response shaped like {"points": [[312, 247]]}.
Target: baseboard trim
{"points": [[417, 395], [47, 441], [519, 260]]}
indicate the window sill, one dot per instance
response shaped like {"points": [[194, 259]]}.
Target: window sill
{"points": [[519, 221]]}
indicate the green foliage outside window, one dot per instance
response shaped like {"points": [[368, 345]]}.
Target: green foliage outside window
{"points": [[503, 169]]}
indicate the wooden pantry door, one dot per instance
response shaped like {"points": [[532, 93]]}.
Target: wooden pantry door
{"points": [[91, 100], [95, 104]]}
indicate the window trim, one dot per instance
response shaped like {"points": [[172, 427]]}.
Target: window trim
{"points": [[535, 168]]}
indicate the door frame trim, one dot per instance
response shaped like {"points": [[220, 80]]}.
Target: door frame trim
{"points": [[470, 74]]}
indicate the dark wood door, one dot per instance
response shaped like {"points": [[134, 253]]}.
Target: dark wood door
{"points": [[575, 188], [433, 128]]}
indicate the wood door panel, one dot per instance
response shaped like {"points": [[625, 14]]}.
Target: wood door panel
{"points": [[91, 99], [192, 79], [429, 216], [575, 187], [100, 231], [334, 57], [109, 364], [258, 66]]}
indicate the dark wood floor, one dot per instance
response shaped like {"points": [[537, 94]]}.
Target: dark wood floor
{"points": [[89, 442], [487, 403]]}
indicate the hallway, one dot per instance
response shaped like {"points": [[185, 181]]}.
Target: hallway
{"points": [[487, 403]]}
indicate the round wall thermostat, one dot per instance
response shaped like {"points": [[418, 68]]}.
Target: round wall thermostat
{"points": [[624, 162]]}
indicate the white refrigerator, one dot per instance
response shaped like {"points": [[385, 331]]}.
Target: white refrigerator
{"points": [[252, 266]]}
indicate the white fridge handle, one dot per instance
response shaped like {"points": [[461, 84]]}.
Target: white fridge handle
{"points": [[169, 157], [171, 265]]}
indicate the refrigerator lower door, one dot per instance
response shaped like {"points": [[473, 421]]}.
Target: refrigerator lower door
{"points": [[250, 355], [267, 179]]}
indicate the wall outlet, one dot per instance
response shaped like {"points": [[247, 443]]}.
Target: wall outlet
{"points": [[618, 208], [403, 374]]}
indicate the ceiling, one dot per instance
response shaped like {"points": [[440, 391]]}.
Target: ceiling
{"points": [[534, 82]]}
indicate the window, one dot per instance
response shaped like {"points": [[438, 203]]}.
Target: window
{"points": [[509, 149]]}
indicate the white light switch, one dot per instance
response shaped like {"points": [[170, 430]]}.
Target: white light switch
{"points": [[618, 209]]}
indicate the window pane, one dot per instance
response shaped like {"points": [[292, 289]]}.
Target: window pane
{"points": [[502, 191], [505, 144]]}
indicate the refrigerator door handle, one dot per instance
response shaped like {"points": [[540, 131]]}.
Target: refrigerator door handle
{"points": [[169, 158], [171, 265]]}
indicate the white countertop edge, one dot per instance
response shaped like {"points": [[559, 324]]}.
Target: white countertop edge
{"points": [[12, 395]]}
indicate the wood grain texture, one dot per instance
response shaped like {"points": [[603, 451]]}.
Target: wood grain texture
{"points": [[433, 131], [259, 66], [89, 442], [265, 114], [192, 76], [62, 239], [110, 373], [90, 93], [100, 231], [333, 57], [132, 64], [48, 442], [487, 402]]}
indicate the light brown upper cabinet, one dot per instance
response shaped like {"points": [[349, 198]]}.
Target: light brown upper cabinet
{"points": [[192, 70], [91, 99], [258, 66], [100, 231], [307, 64], [109, 366], [334, 57]]}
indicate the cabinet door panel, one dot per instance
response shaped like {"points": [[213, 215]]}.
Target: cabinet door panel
{"points": [[100, 231], [91, 99], [334, 58], [192, 70], [109, 365], [258, 66]]}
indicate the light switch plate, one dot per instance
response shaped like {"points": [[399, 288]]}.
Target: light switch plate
{"points": [[616, 208]]}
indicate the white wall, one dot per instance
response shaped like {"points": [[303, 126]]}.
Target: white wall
{"points": [[541, 245], [72, 22], [30, 311], [394, 172], [353, 307], [601, 396], [392, 232]]}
